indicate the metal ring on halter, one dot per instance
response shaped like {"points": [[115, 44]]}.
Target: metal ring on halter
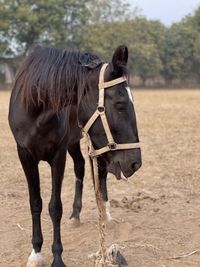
{"points": [[101, 109], [112, 146]]}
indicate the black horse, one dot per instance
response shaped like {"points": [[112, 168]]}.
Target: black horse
{"points": [[54, 93]]}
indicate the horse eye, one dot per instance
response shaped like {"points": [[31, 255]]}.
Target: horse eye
{"points": [[121, 106]]}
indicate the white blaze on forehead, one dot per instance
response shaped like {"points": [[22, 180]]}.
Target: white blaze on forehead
{"points": [[35, 260], [129, 93]]}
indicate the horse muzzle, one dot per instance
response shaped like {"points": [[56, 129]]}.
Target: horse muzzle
{"points": [[124, 169]]}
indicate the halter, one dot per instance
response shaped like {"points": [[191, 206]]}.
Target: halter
{"points": [[100, 112]]}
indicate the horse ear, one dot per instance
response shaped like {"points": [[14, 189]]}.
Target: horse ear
{"points": [[120, 56], [89, 60]]}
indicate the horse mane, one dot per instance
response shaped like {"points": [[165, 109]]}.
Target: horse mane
{"points": [[51, 78]]}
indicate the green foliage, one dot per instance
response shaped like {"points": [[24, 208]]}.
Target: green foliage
{"points": [[145, 43], [193, 23], [47, 22], [144, 38], [52, 22], [99, 26], [178, 52]]}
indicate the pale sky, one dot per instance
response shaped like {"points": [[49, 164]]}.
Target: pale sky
{"points": [[168, 11]]}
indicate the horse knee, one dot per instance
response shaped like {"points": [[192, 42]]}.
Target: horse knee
{"points": [[55, 210]]}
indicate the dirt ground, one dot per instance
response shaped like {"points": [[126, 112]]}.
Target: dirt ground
{"points": [[157, 211]]}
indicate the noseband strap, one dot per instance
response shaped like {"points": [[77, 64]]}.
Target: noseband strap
{"points": [[100, 112]]}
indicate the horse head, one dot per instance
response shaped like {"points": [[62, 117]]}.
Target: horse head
{"points": [[106, 113]]}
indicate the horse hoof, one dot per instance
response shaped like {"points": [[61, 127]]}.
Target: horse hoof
{"points": [[75, 222], [58, 262], [36, 260]]}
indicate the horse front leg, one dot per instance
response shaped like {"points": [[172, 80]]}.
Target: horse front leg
{"points": [[30, 167], [79, 169], [55, 205]]}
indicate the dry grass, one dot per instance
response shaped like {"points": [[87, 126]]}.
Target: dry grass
{"points": [[158, 211]]}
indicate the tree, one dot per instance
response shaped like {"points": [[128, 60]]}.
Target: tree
{"points": [[178, 52], [146, 42], [39, 21], [61, 23], [192, 22], [143, 37]]}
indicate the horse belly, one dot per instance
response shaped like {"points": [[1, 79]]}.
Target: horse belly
{"points": [[42, 135]]}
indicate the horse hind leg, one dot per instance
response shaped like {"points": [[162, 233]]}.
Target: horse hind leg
{"points": [[30, 167], [79, 169]]}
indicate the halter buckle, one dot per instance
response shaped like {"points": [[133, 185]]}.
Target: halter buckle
{"points": [[112, 146], [101, 109]]}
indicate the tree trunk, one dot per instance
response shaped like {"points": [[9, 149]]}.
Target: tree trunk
{"points": [[8, 73]]}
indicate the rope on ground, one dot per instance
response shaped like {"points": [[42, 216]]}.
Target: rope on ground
{"points": [[104, 257], [184, 256]]}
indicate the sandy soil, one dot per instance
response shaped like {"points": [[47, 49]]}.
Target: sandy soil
{"points": [[158, 210]]}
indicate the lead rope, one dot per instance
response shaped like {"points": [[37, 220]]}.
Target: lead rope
{"points": [[100, 260], [104, 257], [109, 257]]}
